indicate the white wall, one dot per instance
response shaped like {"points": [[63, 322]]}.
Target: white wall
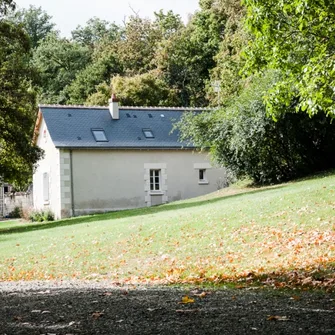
{"points": [[114, 179], [50, 164]]}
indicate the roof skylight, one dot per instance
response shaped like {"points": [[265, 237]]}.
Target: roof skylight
{"points": [[99, 135], [148, 133]]}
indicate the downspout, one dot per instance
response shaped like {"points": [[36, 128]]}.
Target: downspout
{"points": [[72, 188]]}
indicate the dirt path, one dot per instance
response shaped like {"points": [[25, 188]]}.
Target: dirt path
{"points": [[48, 309]]}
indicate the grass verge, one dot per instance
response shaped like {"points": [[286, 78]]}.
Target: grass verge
{"points": [[279, 236]]}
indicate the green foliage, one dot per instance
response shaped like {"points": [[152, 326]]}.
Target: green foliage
{"points": [[187, 57], [95, 31], [6, 6], [168, 24], [298, 38], [15, 213], [225, 80], [41, 216], [143, 90], [137, 49], [104, 65], [17, 105], [58, 61], [245, 140], [101, 95], [36, 22]]}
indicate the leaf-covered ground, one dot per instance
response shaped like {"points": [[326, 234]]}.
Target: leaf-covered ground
{"points": [[279, 236], [29, 309]]}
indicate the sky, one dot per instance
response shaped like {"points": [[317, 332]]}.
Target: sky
{"points": [[68, 14]]}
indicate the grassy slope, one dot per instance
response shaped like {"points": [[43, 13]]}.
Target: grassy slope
{"points": [[223, 236]]}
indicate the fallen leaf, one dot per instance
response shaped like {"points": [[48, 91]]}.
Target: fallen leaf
{"points": [[97, 315], [295, 297], [201, 295], [186, 300]]}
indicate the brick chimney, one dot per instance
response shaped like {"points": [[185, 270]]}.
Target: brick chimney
{"points": [[114, 107]]}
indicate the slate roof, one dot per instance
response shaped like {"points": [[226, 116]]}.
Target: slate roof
{"points": [[71, 127]]}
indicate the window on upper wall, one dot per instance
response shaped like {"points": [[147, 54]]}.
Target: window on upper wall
{"points": [[45, 186], [148, 133], [155, 180], [99, 135]]}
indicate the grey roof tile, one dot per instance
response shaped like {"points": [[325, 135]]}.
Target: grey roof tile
{"points": [[71, 127]]}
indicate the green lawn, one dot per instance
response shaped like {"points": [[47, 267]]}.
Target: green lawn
{"points": [[234, 233]]}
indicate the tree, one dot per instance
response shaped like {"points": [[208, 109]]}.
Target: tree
{"points": [[297, 37], [143, 90], [244, 139], [59, 61], [187, 57], [6, 6], [137, 48], [105, 63], [225, 80], [95, 31], [168, 24], [17, 103], [36, 22]]}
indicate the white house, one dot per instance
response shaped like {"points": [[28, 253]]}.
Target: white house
{"points": [[101, 159]]}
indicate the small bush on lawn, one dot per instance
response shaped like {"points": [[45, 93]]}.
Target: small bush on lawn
{"points": [[41, 216], [15, 213]]}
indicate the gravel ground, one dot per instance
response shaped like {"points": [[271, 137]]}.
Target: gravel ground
{"points": [[99, 308]]}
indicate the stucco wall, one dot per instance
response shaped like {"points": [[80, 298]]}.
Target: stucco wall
{"points": [[49, 164], [108, 179]]}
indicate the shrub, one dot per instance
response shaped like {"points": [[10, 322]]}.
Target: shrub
{"points": [[41, 216], [244, 139], [15, 213]]}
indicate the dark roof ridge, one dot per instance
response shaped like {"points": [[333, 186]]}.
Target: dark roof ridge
{"points": [[151, 108]]}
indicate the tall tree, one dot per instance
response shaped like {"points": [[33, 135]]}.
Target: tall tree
{"points": [[59, 61], [36, 22], [17, 102], [244, 139], [94, 31], [226, 81], [296, 37], [138, 46], [146, 89], [187, 57]]}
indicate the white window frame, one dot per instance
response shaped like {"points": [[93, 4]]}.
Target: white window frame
{"points": [[153, 174], [202, 167]]}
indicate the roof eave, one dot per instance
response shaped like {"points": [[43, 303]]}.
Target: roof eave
{"points": [[37, 126], [124, 148]]}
